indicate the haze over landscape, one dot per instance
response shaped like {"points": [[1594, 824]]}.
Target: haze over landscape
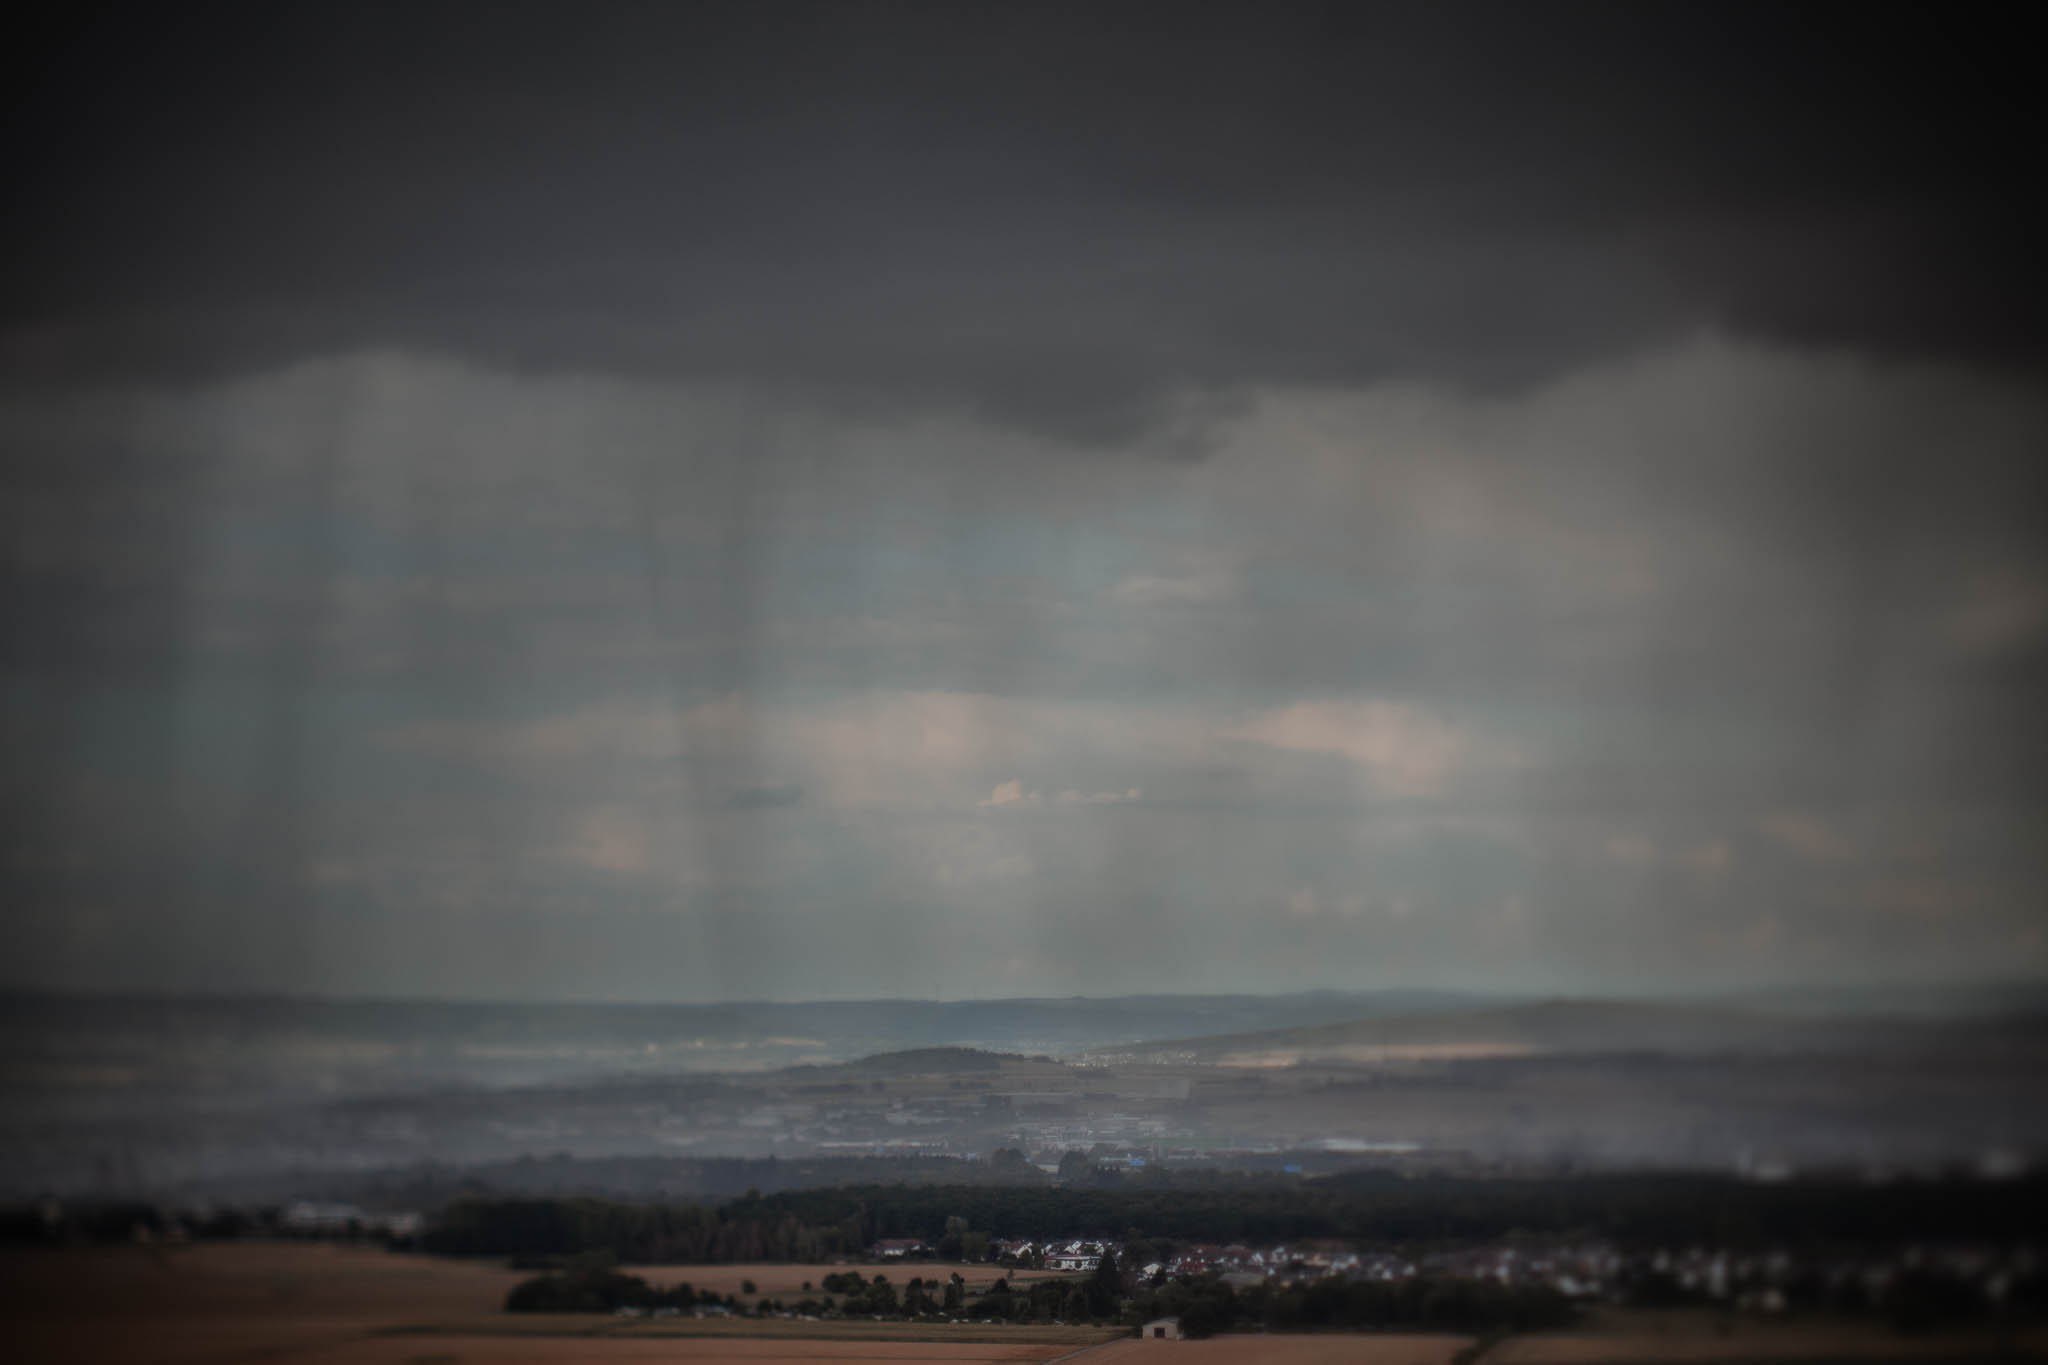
{"points": [[1316, 646]]}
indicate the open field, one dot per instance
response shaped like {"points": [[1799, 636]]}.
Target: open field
{"points": [[856, 1329], [694, 1351], [1325, 1349], [334, 1305], [1620, 1337]]}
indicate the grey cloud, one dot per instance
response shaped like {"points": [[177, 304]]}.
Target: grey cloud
{"points": [[1056, 218], [1482, 689]]}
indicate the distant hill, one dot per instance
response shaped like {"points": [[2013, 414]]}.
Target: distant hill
{"points": [[919, 1061], [275, 1044], [1978, 1000], [1578, 1026]]}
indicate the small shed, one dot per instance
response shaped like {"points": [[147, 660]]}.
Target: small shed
{"points": [[1161, 1329], [896, 1248]]}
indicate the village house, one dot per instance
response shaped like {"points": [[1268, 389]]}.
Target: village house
{"points": [[1073, 1256]]}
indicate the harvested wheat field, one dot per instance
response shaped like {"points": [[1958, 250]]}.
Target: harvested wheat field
{"points": [[1318, 1349], [1692, 1337], [214, 1304], [691, 1350]]}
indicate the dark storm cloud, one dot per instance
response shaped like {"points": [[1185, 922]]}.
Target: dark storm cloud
{"points": [[599, 483], [1054, 215]]}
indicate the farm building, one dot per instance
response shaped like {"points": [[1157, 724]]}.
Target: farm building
{"points": [[1161, 1329], [896, 1248]]}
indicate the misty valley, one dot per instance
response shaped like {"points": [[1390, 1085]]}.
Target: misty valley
{"points": [[242, 1100]]}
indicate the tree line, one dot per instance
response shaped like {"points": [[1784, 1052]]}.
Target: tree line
{"points": [[822, 1224], [1109, 1294]]}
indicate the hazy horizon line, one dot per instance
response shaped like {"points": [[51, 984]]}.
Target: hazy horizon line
{"points": [[1988, 985]]}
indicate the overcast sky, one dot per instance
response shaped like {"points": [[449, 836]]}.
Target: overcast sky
{"points": [[695, 502]]}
